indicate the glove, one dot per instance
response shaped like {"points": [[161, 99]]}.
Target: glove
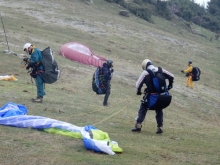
{"points": [[112, 70], [28, 67], [25, 59], [139, 93], [170, 87], [182, 71]]}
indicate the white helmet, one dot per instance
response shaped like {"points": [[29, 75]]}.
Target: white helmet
{"points": [[145, 63], [26, 46]]}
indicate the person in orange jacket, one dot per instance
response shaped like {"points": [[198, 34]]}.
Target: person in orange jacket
{"points": [[188, 71]]}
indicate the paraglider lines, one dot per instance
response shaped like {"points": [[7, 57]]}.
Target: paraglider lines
{"points": [[114, 113]]}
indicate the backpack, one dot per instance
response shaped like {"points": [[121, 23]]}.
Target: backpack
{"points": [[51, 71], [196, 74], [99, 84], [158, 96]]}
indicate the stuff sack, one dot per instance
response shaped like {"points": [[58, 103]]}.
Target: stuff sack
{"points": [[51, 71], [158, 97], [99, 84], [196, 74]]}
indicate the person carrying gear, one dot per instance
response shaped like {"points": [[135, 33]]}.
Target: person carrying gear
{"points": [[107, 72], [188, 71], [34, 62], [145, 78]]}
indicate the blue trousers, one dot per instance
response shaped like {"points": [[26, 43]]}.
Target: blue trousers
{"points": [[40, 86], [143, 111]]}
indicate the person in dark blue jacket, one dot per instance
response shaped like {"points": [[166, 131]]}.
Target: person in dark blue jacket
{"points": [[34, 62], [107, 72]]}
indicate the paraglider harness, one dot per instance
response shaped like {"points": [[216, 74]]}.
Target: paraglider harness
{"points": [[159, 99], [33, 70], [99, 83], [51, 72], [195, 74]]}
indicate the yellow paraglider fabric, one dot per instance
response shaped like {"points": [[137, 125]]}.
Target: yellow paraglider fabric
{"points": [[8, 78]]}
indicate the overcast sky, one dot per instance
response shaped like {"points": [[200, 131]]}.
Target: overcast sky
{"points": [[201, 2]]}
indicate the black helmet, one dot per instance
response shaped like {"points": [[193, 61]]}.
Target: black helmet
{"points": [[190, 61], [109, 62]]}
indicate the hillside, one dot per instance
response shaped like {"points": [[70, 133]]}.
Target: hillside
{"points": [[191, 122]]}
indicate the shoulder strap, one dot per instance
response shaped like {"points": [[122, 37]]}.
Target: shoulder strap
{"points": [[151, 73], [154, 80], [164, 87], [160, 70]]}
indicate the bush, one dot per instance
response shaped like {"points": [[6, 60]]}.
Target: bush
{"points": [[162, 9], [196, 20], [141, 11], [210, 23], [110, 1]]}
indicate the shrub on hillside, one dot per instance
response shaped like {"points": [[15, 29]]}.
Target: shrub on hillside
{"points": [[162, 10], [211, 23], [141, 11]]}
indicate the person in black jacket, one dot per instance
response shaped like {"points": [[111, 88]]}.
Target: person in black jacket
{"points": [[107, 72], [145, 78]]}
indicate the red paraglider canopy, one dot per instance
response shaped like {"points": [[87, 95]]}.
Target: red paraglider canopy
{"points": [[81, 53]]}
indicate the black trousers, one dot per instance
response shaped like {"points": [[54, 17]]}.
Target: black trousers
{"points": [[142, 114], [108, 91]]}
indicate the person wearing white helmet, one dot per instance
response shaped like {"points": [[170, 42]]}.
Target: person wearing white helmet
{"points": [[188, 71], [145, 78], [34, 62], [107, 72]]}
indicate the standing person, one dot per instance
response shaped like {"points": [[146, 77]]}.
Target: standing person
{"points": [[145, 78], [34, 62], [188, 71], [107, 72]]}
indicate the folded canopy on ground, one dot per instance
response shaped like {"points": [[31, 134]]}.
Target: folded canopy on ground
{"points": [[81, 53], [15, 115], [8, 78]]}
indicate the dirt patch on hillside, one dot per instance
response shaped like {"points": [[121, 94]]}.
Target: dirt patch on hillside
{"points": [[53, 13]]}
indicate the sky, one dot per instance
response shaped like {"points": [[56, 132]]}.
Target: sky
{"points": [[201, 2]]}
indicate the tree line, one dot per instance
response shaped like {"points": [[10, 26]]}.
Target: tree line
{"points": [[188, 10]]}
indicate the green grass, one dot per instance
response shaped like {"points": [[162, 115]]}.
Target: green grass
{"points": [[191, 122]]}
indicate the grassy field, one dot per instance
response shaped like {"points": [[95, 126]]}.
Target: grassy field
{"points": [[191, 122]]}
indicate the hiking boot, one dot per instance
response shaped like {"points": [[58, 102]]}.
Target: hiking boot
{"points": [[35, 98], [38, 100], [137, 128], [159, 131]]}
